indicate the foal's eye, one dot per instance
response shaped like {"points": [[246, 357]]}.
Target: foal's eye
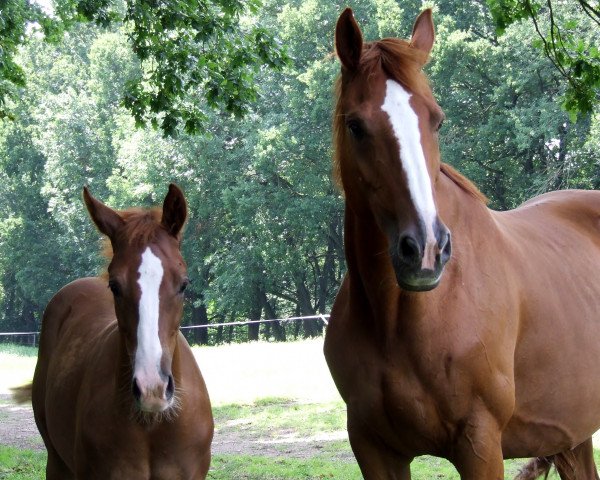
{"points": [[184, 285], [355, 128], [439, 125], [114, 287]]}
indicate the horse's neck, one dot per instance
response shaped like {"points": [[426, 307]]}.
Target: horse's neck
{"points": [[372, 278]]}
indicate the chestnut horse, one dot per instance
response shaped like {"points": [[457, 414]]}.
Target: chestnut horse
{"points": [[458, 331], [117, 393]]}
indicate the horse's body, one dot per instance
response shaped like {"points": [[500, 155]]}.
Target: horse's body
{"points": [[498, 359], [92, 424]]}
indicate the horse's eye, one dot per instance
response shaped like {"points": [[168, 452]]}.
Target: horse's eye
{"points": [[356, 129], [115, 288], [439, 125], [184, 285]]}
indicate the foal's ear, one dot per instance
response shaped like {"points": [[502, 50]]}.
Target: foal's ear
{"points": [[174, 211], [348, 40], [106, 219], [423, 33]]}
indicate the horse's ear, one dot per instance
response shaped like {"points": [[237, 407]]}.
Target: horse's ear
{"points": [[106, 219], [423, 33], [348, 40], [174, 211]]}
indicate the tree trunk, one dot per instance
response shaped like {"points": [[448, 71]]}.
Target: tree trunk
{"points": [[254, 313], [327, 276], [277, 328], [199, 317], [311, 328]]}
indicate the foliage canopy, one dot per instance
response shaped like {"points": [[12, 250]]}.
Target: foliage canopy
{"points": [[191, 54], [264, 239], [568, 35]]}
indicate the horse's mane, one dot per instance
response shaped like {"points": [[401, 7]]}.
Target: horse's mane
{"points": [[463, 182], [140, 228]]}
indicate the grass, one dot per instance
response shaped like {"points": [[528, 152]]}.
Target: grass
{"points": [[281, 394], [244, 373], [246, 467], [281, 414], [18, 464], [28, 465]]}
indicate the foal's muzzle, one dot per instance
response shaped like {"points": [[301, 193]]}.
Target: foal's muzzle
{"points": [[156, 396], [419, 263]]}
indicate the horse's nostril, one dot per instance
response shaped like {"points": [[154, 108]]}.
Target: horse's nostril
{"points": [[446, 247], [135, 389], [409, 250], [170, 388]]}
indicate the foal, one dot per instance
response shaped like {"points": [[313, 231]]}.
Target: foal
{"points": [[117, 393]]}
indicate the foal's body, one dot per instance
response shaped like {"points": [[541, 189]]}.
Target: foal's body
{"points": [[117, 393], [94, 430]]}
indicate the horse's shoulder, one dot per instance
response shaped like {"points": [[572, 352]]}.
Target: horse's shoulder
{"points": [[82, 286], [83, 294]]}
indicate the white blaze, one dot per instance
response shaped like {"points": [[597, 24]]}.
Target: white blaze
{"points": [[149, 350], [405, 125]]}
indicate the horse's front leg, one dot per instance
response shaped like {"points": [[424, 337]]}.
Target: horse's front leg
{"points": [[376, 460], [478, 449]]}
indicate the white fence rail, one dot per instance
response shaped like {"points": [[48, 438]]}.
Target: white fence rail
{"points": [[324, 318]]}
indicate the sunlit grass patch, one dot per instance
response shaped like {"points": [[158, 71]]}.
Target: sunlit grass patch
{"points": [[271, 416], [18, 464], [247, 467], [319, 467], [244, 373]]}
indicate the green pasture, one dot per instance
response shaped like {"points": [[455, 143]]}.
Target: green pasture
{"points": [[275, 401]]}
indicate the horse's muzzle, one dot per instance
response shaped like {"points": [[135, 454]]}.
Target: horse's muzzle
{"points": [[156, 397], [418, 264]]}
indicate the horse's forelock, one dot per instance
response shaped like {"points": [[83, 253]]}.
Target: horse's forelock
{"points": [[399, 61], [140, 228]]}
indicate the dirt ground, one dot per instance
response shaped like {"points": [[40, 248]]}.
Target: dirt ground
{"points": [[17, 429]]}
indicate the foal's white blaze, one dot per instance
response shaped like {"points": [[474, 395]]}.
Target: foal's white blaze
{"points": [[405, 125], [149, 349]]}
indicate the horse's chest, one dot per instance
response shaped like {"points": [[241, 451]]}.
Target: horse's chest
{"points": [[147, 471], [136, 461], [405, 411], [411, 405]]}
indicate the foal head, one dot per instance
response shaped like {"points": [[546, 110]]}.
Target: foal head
{"points": [[147, 277], [387, 152]]}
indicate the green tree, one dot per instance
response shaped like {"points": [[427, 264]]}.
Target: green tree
{"points": [[568, 34], [264, 235], [505, 128], [192, 54]]}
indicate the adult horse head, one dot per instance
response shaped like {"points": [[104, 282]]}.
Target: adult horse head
{"points": [[386, 123], [492, 354], [147, 277]]}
